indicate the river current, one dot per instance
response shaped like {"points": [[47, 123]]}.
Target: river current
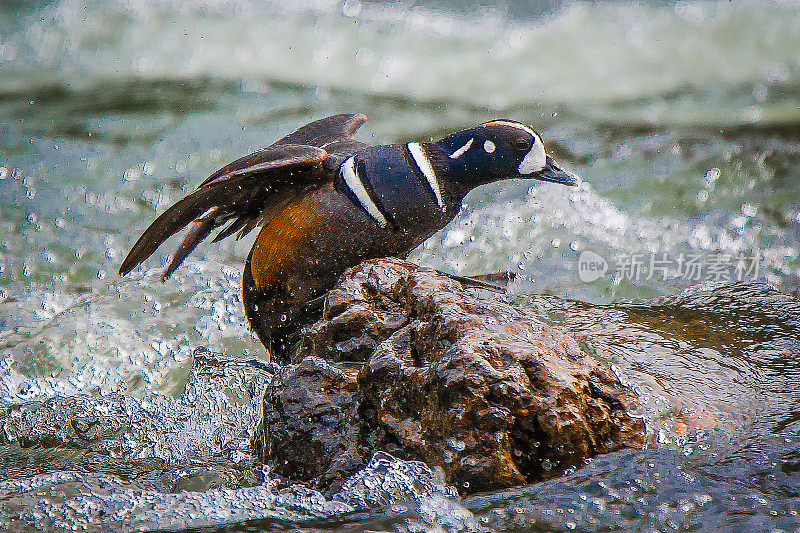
{"points": [[682, 118]]}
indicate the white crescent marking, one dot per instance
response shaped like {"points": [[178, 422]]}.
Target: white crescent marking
{"points": [[458, 153], [353, 182], [425, 166]]}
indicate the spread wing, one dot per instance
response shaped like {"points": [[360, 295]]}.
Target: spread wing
{"points": [[249, 190], [328, 132]]}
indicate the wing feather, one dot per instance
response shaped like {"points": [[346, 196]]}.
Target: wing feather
{"points": [[243, 189], [248, 191], [325, 131], [232, 228], [319, 133], [199, 230]]}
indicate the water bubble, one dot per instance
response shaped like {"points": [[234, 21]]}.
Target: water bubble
{"points": [[777, 72], [132, 174], [760, 92], [753, 114], [364, 57], [351, 8], [711, 176]]}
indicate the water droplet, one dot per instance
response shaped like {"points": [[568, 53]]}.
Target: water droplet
{"points": [[351, 8]]}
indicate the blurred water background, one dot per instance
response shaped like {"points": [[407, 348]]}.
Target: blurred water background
{"points": [[682, 117]]}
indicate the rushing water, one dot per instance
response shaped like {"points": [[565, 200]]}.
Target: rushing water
{"points": [[682, 117]]}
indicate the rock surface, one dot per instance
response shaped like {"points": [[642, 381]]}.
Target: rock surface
{"points": [[407, 361]]}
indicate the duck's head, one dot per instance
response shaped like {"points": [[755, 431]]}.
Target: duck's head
{"points": [[501, 149]]}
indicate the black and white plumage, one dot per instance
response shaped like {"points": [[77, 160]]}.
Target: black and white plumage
{"points": [[325, 202]]}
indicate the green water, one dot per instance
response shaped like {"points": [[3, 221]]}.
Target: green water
{"points": [[683, 118]]}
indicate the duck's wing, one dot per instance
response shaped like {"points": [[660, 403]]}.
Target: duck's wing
{"points": [[249, 190], [327, 133], [239, 196]]}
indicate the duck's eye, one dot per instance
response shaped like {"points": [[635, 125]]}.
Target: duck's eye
{"points": [[522, 144]]}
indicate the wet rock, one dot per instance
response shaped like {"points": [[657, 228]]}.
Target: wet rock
{"points": [[481, 391], [309, 427]]}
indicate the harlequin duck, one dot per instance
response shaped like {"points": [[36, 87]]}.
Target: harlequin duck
{"points": [[326, 202]]}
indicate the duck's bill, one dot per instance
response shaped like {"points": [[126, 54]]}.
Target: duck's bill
{"points": [[552, 172]]}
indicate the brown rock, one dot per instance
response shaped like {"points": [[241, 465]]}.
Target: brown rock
{"points": [[475, 387], [308, 429]]}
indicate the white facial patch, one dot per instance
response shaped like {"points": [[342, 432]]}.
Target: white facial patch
{"points": [[458, 153], [535, 159], [489, 147]]}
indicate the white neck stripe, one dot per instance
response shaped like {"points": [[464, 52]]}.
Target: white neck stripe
{"points": [[353, 183], [425, 166], [458, 153]]}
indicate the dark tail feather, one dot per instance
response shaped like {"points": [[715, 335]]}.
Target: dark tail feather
{"points": [[247, 227], [231, 229], [242, 189], [170, 222], [200, 230]]}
